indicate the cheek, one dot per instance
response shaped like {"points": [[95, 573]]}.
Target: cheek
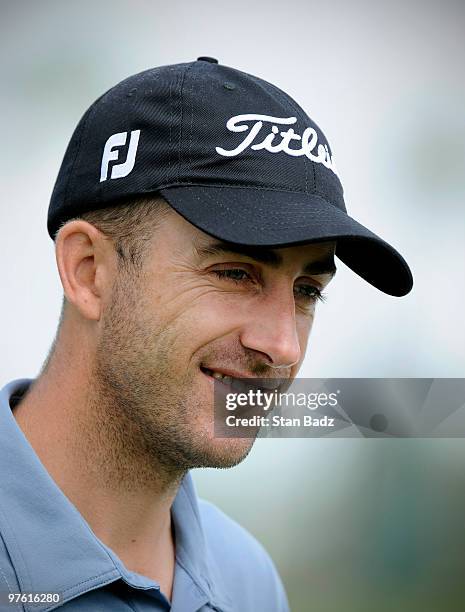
{"points": [[215, 314], [192, 315]]}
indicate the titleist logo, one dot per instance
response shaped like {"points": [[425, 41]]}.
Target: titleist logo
{"points": [[252, 124]]}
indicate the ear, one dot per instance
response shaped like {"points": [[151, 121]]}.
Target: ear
{"points": [[86, 262]]}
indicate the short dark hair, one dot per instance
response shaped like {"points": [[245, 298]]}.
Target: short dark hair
{"points": [[130, 224]]}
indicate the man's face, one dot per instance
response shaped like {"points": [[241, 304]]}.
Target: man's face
{"points": [[202, 306]]}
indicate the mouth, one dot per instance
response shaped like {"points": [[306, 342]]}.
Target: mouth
{"points": [[242, 383]]}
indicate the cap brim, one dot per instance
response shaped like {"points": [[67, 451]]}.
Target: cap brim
{"points": [[271, 218]]}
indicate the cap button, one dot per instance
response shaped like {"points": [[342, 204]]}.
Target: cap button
{"points": [[204, 58]]}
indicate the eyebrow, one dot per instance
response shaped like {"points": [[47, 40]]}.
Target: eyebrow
{"points": [[265, 255]]}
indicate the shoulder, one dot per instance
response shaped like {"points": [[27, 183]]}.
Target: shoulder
{"points": [[242, 560]]}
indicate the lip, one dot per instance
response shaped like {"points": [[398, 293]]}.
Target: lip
{"points": [[240, 375], [225, 372]]}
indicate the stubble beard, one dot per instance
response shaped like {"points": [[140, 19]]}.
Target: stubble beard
{"points": [[150, 424]]}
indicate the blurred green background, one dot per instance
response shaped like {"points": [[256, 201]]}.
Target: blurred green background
{"points": [[354, 525]]}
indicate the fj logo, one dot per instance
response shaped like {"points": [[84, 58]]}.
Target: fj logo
{"points": [[111, 153]]}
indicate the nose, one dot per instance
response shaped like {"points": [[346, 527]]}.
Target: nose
{"points": [[271, 329]]}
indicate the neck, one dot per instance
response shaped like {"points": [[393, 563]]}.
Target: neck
{"points": [[94, 455]]}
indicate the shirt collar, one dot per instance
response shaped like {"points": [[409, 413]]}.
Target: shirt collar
{"points": [[53, 548]]}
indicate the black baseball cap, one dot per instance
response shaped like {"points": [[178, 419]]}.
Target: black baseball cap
{"points": [[233, 154]]}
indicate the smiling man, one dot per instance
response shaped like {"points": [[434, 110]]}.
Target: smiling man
{"points": [[195, 231]]}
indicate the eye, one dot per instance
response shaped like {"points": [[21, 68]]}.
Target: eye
{"points": [[237, 275], [309, 293]]}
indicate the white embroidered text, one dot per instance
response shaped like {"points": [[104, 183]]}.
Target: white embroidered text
{"points": [[253, 123]]}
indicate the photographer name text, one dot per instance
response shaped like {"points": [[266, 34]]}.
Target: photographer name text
{"points": [[279, 421]]}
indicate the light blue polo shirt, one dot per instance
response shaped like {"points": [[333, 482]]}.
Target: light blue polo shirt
{"points": [[46, 545]]}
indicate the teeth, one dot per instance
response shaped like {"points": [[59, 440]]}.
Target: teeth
{"points": [[239, 385], [223, 377], [226, 379]]}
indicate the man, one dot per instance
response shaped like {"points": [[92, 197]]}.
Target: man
{"points": [[196, 216]]}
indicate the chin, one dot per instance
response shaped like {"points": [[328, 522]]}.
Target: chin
{"points": [[224, 452]]}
